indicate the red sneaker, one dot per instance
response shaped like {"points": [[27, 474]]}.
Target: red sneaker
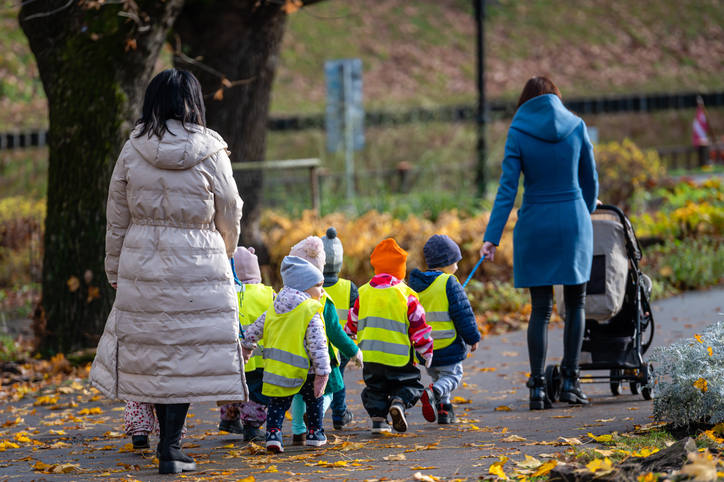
{"points": [[429, 404]]}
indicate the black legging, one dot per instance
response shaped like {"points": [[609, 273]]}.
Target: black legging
{"points": [[541, 298]]}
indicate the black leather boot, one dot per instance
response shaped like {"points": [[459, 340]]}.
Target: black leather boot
{"points": [[172, 460], [571, 388], [538, 394]]}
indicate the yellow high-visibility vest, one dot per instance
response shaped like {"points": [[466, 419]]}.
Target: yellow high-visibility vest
{"points": [[335, 351], [254, 299], [286, 363], [437, 314], [339, 292], [382, 327]]}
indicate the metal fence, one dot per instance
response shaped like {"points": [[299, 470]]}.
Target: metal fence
{"points": [[500, 109]]}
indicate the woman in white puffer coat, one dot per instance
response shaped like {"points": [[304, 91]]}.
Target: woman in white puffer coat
{"points": [[172, 225]]}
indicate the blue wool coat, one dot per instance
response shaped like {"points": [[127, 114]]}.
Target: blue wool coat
{"points": [[553, 238], [461, 314]]}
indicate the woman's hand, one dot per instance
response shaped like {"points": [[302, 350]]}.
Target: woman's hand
{"points": [[488, 250], [114, 286], [598, 202]]}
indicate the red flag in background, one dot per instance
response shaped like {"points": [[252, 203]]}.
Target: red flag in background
{"points": [[699, 128]]}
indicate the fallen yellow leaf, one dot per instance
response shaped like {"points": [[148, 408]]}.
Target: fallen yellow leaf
{"points": [[701, 465], [271, 469], [395, 457], [513, 438], [503, 408], [545, 468], [529, 463], [599, 464], [601, 438]]}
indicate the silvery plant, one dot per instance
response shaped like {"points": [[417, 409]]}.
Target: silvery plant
{"points": [[689, 379]]}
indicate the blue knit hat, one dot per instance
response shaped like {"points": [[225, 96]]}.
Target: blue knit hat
{"points": [[299, 273], [441, 251]]}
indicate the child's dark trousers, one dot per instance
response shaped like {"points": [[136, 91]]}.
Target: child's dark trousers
{"points": [[278, 406], [384, 383]]}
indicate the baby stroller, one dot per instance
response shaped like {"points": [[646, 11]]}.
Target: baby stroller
{"points": [[618, 314]]}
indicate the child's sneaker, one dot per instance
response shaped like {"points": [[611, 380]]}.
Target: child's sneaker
{"points": [[445, 414], [316, 437], [429, 404], [298, 439], [380, 426], [274, 440], [140, 442], [397, 413], [252, 433], [231, 427], [339, 422]]}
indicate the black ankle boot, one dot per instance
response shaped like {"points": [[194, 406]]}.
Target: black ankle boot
{"points": [[538, 394], [172, 460], [161, 419], [571, 388]]}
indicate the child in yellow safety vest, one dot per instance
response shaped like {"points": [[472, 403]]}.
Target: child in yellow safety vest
{"points": [[246, 418], [338, 342], [344, 293], [389, 322], [295, 351], [451, 317]]}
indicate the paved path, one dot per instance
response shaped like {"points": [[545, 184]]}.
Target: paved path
{"points": [[462, 450]]}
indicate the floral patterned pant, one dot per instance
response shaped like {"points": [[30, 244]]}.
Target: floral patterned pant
{"points": [[140, 419], [250, 413]]}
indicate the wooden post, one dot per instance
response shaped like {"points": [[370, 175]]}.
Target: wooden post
{"points": [[403, 173], [314, 188]]}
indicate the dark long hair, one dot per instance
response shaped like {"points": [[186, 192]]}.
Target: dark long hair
{"points": [[536, 86], [172, 94]]}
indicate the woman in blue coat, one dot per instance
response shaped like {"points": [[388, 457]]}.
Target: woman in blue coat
{"points": [[553, 238]]}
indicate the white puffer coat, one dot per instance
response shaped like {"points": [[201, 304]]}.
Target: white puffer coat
{"points": [[173, 224]]}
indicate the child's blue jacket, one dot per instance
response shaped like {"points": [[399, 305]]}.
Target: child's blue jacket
{"points": [[461, 314]]}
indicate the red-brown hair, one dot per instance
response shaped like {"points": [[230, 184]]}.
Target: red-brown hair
{"points": [[536, 86]]}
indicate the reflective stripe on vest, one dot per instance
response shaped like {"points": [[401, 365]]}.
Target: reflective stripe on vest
{"points": [[254, 300], [382, 329], [340, 294], [434, 300], [286, 363]]}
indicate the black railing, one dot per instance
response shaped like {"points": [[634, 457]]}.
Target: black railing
{"points": [[499, 109]]}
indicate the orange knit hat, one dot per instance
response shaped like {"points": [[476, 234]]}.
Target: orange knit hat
{"points": [[389, 258]]}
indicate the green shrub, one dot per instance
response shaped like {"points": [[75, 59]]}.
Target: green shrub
{"points": [[689, 264], [624, 170]]}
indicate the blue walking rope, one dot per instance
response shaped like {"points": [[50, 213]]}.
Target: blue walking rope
{"points": [[233, 272], [477, 265], [236, 281]]}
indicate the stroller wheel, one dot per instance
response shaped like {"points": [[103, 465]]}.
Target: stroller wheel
{"points": [[616, 382], [553, 382], [646, 375], [636, 384]]}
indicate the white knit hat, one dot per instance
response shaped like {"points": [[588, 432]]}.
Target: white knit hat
{"points": [[311, 249]]}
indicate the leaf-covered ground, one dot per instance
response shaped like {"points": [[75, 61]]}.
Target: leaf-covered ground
{"points": [[66, 428]]}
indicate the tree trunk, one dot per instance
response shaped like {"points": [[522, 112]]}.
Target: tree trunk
{"points": [[240, 40], [95, 65]]}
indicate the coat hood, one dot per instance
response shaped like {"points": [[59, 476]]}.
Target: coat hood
{"points": [[180, 148], [545, 118], [421, 280]]}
